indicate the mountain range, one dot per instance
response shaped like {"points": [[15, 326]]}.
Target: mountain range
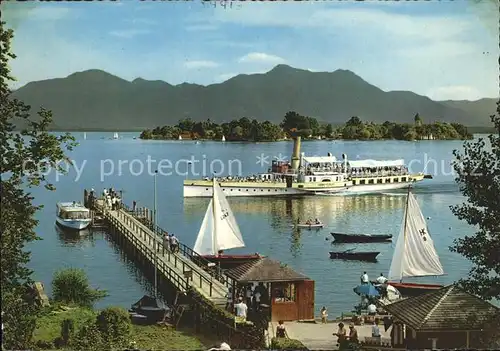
{"points": [[97, 100]]}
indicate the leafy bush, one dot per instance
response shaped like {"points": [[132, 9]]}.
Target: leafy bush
{"points": [[287, 344], [115, 326], [67, 330], [88, 338], [72, 286]]}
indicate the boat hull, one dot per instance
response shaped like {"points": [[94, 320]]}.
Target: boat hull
{"points": [[414, 289], [200, 188], [73, 224], [231, 261], [355, 256], [309, 226], [360, 238]]}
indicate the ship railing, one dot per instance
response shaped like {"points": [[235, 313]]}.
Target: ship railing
{"points": [[378, 174], [185, 250]]}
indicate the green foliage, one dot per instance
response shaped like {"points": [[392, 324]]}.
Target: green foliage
{"points": [[67, 330], [294, 124], [89, 338], [72, 286], [115, 326], [478, 175], [287, 344], [24, 155]]}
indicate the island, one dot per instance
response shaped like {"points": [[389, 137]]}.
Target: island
{"points": [[309, 128]]}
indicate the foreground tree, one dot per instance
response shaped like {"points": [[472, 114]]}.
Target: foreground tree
{"points": [[26, 158], [71, 285], [478, 175]]}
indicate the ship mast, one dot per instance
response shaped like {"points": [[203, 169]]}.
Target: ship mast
{"points": [[405, 226]]}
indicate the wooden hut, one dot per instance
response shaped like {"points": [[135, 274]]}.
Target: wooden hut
{"points": [[447, 318], [289, 294]]}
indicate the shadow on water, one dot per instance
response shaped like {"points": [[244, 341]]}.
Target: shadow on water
{"points": [[75, 238]]}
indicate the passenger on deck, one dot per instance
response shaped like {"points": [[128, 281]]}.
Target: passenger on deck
{"points": [[280, 330], [382, 279], [309, 221], [317, 221]]}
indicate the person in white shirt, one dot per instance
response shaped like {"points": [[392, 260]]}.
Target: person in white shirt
{"points": [[256, 299], [372, 309], [248, 295], [382, 279], [241, 308], [364, 278]]}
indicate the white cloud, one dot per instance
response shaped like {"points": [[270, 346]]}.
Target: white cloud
{"points": [[261, 57], [200, 64], [454, 92], [128, 33]]}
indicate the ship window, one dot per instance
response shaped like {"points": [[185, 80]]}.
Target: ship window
{"points": [[269, 190], [370, 181], [380, 181], [247, 189], [396, 180], [403, 179], [275, 189], [206, 188], [239, 189], [362, 181], [326, 180]]}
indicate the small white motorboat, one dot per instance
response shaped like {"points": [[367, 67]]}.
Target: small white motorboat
{"points": [[73, 215], [309, 226]]}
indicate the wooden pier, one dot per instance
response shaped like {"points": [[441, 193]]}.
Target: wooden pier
{"points": [[183, 269]]}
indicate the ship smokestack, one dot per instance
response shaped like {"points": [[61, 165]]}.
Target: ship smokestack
{"points": [[296, 153]]}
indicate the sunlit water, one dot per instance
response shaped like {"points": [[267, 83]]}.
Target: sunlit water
{"points": [[264, 222]]}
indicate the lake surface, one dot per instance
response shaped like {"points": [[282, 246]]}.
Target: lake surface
{"points": [[264, 222]]}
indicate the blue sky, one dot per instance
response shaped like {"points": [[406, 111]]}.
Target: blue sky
{"points": [[445, 50]]}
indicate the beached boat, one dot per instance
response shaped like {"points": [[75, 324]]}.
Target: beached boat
{"points": [[309, 226], [219, 230], [414, 254], [317, 175], [355, 256], [116, 136], [361, 238], [73, 215]]}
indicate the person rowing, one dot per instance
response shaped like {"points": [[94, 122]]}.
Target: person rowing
{"points": [[317, 221]]}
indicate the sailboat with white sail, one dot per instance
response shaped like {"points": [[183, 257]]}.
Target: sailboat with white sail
{"points": [[414, 254], [219, 230]]}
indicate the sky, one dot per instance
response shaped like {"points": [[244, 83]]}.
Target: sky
{"points": [[441, 49]]}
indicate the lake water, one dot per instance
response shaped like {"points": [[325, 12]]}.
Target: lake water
{"points": [[264, 222]]}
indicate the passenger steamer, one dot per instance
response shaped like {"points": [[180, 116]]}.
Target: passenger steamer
{"points": [[314, 176]]}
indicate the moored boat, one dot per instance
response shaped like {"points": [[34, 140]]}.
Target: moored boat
{"points": [[355, 256], [414, 254], [73, 215], [360, 238]]}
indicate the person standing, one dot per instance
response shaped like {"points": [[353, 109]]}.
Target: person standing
{"points": [[241, 309], [174, 243], [364, 278], [166, 241], [248, 294], [324, 315], [341, 335]]}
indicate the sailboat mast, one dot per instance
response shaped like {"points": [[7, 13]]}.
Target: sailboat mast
{"points": [[214, 233], [405, 227]]}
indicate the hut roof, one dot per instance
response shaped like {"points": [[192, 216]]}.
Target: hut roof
{"points": [[264, 270], [449, 308]]}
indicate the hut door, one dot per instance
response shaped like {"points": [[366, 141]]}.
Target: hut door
{"points": [[306, 300]]}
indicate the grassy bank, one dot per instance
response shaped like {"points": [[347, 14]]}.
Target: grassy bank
{"points": [[145, 337]]}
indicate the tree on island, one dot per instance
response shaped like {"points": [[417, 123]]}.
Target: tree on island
{"points": [[22, 154], [478, 175]]}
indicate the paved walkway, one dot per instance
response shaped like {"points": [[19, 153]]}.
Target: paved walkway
{"points": [[317, 336]]}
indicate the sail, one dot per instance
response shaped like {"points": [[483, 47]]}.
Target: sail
{"points": [[204, 244], [227, 232], [414, 254]]}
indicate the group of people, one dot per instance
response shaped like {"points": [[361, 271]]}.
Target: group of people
{"points": [[170, 242], [111, 199], [247, 296], [310, 221]]}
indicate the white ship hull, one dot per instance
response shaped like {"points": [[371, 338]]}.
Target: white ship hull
{"points": [[75, 224], [282, 190]]}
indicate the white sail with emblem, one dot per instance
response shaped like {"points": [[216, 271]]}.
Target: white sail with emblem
{"points": [[219, 230], [414, 254]]}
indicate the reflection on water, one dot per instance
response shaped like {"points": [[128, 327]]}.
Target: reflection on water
{"points": [[82, 238], [327, 208]]}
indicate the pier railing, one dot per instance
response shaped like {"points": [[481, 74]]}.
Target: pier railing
{"points": [[185, 250]]}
